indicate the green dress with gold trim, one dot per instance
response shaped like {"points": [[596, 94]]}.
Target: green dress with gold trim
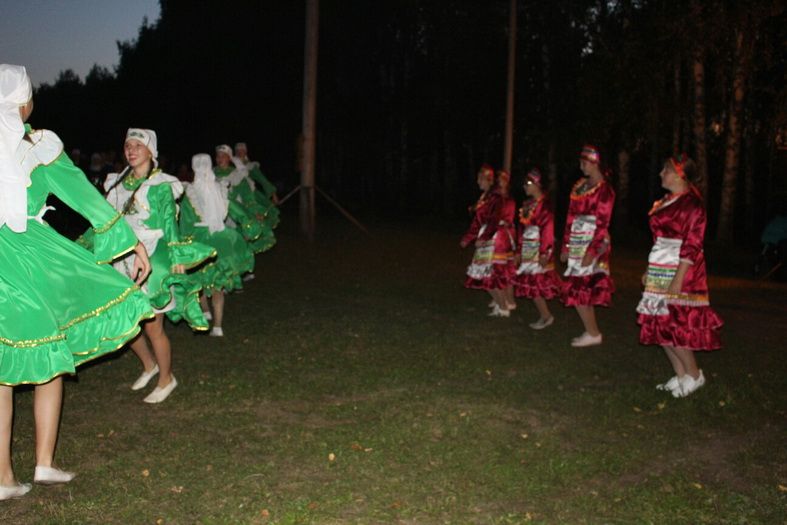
{"points": [[240, 190], [61, 304], [264, 193], [148, 205], [234, 256]]}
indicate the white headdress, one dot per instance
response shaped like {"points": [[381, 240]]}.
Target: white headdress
{"points": [[212, 202], [146, 137], [15, 91]]}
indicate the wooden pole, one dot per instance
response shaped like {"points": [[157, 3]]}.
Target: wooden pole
{"points": [[509, 139], [307, 212]]}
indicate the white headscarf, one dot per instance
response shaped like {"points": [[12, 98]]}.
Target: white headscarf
{"points": [[146, 137], [212, 202], [15, 91]]}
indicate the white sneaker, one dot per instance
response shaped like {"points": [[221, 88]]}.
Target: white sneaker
{"points": [[586, 340], [208, 316], [492, 303], [670, 384], [688, 385], [143, 380], [51, 476], [248, 277], [17, 491], [159, 394], [216, 331], [542, 323]]}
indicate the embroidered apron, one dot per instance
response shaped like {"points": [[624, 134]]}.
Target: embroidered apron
{"points": [[662, 265], [531, 245], [582, 230]]}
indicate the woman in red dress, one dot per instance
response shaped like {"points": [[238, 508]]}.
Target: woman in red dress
{"points": [[587, 245], [492, 267], [674, 311], [536, 277]]}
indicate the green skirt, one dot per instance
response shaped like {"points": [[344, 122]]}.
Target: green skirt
{"points": [[234, 258], [59, 308]]}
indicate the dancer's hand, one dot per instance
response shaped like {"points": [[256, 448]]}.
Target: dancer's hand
{"points": [[543, 260], [675, 285], [563, 256], [644, 279], [463, 244], [178, 268], [587, 259], [141, 268]]}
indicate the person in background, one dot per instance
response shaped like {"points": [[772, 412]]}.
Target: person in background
{"points": [[675, 310], [487, 271], [203, 211], [587, 246], [265, 191], [536, 277], [232, 173]]}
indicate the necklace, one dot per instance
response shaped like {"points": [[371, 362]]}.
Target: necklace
{"points": [[666, 201], [528, 209]]}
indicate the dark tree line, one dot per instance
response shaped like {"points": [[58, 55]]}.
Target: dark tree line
{"points": [[412, 96]]}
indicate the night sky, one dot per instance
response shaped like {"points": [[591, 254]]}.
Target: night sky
{"points": [[48, 36]]}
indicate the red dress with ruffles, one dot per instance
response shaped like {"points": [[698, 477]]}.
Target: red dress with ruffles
{"points": [[536, 239], [492, 267], [587, 231], [685, 320]]}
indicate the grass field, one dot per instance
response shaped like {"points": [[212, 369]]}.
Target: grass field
{"points": [[360, 383]]}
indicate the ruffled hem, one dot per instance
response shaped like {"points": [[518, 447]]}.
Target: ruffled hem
{"points": [[263, 243], [587, 290], [184, 289], [531, 286], [502, 276], [92, 335], [693, 327], [189, 253], [112, 240]]}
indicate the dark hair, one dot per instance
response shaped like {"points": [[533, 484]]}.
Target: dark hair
{"points": [[689, 167]]}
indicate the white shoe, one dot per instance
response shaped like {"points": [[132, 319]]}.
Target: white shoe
{"points": [[511, 306], [143, 380], [542, 323], [51, 476], [492, 303], [159, 393], [688, 385], [586, 340], [216, 331], [17, 491], [670, 385], [208, 316], [499, 312], [248, 277]]}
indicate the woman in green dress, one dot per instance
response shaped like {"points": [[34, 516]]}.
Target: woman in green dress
{"points": [[62, 305], [146, 197], [265, 192], [232, 173], [203, 210]]}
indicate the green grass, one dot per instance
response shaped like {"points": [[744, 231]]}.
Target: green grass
{"points": [[371, 353]]}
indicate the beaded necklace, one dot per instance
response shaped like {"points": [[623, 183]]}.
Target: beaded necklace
{"points": [[528, 209]]}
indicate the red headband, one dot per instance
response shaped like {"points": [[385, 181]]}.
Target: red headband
{"points": [[590, 153], [678, 163], [487, 171], [535, 176]]}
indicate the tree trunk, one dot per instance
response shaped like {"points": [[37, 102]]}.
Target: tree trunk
{"points": [[622, 196], [700, 138], [677, 113], [743, 50]]}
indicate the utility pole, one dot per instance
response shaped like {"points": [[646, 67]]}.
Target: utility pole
{"points": [[509, 138], [307, 211]]}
